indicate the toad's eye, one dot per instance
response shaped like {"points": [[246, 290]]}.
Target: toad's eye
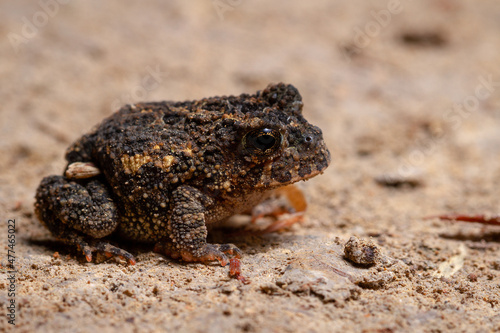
{"points": [[263, 140]]}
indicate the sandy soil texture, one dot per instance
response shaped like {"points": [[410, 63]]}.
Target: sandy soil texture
{"points": [[406, 92]]}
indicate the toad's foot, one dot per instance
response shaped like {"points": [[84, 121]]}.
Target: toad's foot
{"points": [[285, 221], [111, 251], [285, 206], [99, 246], [206, 253]]}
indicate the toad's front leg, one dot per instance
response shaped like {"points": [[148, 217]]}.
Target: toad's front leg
{"points": [[188, 233]]}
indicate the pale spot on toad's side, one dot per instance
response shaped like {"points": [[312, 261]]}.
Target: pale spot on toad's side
{"points": [[167, 162], [132, 163]]}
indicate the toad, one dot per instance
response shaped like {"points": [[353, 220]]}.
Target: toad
{"points": [[161, 172]]}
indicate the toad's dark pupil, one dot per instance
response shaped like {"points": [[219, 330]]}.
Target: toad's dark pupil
{"points": [[265, 141], [262, 140]]}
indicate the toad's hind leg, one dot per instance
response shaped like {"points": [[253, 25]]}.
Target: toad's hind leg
{"points": [[79, 213], [188, 232]]}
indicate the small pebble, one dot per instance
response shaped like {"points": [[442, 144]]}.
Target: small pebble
{"points": [[361, 252]]}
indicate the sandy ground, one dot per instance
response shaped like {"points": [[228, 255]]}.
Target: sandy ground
{"points": [[404, 89]]}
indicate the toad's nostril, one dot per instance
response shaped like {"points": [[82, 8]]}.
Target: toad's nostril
{"points": [[308, 138]]}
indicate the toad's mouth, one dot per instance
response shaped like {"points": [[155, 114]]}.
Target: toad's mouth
{"points": [[296, 172], [295, 178]]}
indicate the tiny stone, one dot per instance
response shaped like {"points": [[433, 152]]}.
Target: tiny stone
{"points": [[361, 252]]}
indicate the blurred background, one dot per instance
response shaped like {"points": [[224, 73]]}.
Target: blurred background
{"points": [[406, 92]]}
